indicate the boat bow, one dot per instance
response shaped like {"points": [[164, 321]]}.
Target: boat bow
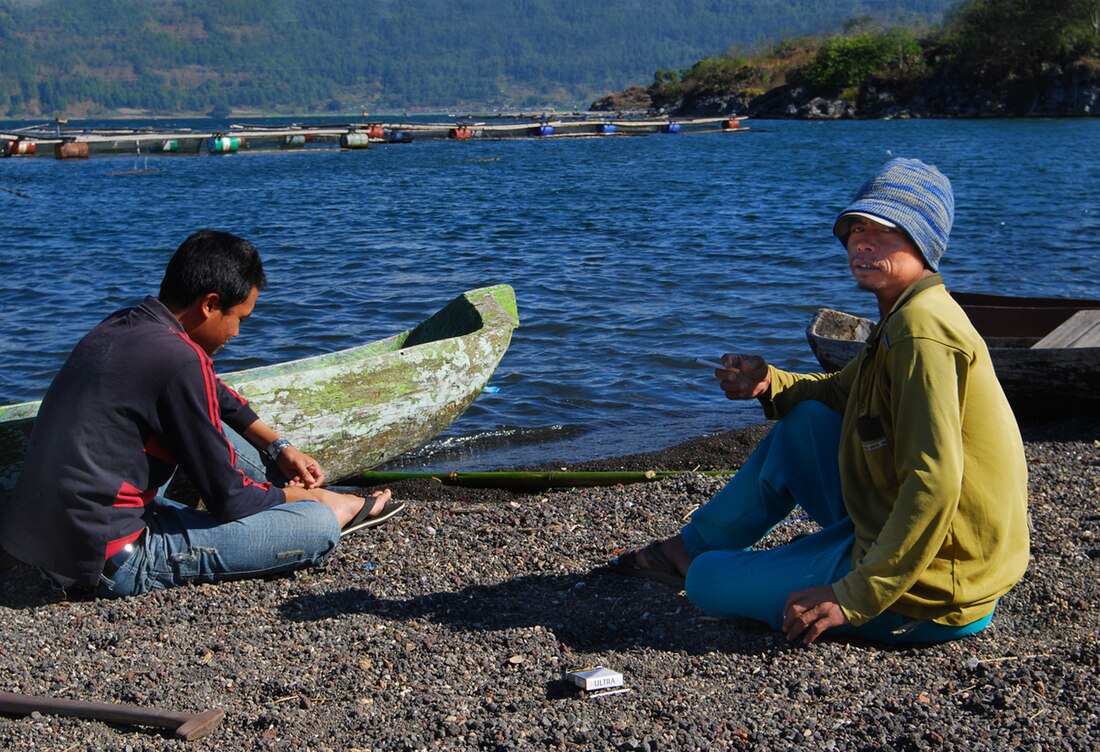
{"points": [[355, 409]]}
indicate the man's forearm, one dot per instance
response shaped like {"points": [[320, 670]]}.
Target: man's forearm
{"points": [[260, 435]]}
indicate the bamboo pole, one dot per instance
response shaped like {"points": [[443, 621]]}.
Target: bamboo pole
{"points": [[533, 480]]}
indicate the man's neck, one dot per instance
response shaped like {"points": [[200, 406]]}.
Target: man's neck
{"points": [[887, 299]]}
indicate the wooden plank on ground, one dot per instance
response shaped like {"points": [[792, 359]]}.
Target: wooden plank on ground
{"points": [[1082, 329]]}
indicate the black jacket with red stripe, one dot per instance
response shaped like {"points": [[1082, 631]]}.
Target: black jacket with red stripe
{"points": [[135, 398]]}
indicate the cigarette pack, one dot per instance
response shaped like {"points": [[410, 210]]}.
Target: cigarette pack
{"points": [[595, 677]]}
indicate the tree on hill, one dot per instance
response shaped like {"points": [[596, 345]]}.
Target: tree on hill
{"points": [[995, 38], [843, 62]]}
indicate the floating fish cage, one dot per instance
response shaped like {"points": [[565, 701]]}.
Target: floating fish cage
{"points": [[72, 143]]}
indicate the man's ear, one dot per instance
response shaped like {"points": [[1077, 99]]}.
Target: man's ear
{"points": [[211, 302]]}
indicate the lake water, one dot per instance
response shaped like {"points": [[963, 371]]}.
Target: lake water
{"points": [[630, 257]]}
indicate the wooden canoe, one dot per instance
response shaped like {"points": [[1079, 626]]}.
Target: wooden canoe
{"points": [[355, 409], [1036, 380]]}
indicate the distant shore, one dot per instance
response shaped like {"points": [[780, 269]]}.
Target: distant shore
{"points": [[1074, 93]]}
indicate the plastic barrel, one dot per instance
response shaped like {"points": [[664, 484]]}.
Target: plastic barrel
{"points": [[670, 128], [295, 141], [731, 124], [223, 145], [19, 148], [606, 128], [376, 132], [71, 150], [354, 140], [545, 130], [460, 133]]}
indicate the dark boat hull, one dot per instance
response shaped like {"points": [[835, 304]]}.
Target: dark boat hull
{"points": [[1037, 381]]}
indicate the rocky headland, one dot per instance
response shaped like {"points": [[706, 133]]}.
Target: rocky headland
{"points": [[1071, 91]]}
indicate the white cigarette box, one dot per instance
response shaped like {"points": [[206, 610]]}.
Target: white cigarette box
{"points": [[596, 677]]}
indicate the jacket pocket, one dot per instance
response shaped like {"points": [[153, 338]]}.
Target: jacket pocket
{"points": [[877, 452]]}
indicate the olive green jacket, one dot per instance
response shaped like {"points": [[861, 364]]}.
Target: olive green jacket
{"points": [[932, 465]]}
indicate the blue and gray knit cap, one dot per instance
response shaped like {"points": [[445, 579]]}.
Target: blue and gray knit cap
{"points": [[909, 194]]}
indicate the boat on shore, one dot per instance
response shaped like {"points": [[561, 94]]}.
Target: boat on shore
{"points": [[357, 408], [1039, 377]]}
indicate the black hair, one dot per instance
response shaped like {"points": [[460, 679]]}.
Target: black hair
{"points": [[212, 261]]}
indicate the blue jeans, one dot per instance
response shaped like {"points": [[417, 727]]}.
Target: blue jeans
{"points": [[795, 465], [183, 545], [254, 463]]}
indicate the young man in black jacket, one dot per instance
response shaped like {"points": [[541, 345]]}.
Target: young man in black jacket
{"points": [[138, 397]]}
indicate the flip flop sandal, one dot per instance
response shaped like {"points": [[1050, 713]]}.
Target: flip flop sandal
{"points": [[661, 570], [364, 520]]}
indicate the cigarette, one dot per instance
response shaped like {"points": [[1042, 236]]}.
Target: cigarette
{"points": [[716, 364]]}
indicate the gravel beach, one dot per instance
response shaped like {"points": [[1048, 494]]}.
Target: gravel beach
{"points": [[450, 628]]}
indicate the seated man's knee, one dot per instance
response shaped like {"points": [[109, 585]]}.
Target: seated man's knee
{"points": [[709, 585], [810, 413], [319, 530]]}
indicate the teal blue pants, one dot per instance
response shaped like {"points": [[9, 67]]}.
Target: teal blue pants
{"points": [[795, 465]]}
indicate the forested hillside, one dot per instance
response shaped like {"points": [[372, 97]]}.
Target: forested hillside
{"points": [[988, 58], [81, 57]]}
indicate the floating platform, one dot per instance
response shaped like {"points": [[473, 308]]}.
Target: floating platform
{"points": [[69, 143]]}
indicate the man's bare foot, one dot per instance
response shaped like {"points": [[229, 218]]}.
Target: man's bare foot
{"points": [[381, 508], [380, 498], [351, 511], [670, 550], [347, 506], [666, 561]]}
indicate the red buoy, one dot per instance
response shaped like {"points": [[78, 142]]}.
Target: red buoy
{"points": [[19, 148]]}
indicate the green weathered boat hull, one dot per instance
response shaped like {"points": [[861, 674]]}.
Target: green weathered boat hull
{"points": [[355, 409]]}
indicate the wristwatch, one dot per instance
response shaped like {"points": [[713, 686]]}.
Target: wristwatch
{"points": [[275, 448]]}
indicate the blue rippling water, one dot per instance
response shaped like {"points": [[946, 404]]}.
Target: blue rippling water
{"points": [[630, 257]]}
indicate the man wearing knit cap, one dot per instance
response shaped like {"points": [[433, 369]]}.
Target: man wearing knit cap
{"points": [[909, 459]]}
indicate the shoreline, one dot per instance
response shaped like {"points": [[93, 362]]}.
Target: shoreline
{"points": [[725, 450], [449, 628]]}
